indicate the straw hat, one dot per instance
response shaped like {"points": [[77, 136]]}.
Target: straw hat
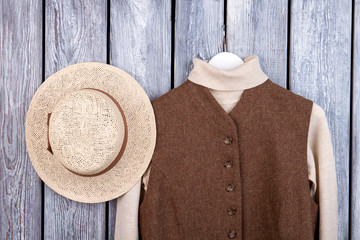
{"points": [[90, 132]]}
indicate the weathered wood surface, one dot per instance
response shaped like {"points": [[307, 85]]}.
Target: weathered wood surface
{"points": [[140, 44], [355, 166], [20, 76], [76, 31], [199, 32], [320, 67], [260, 28], [139, 36]]}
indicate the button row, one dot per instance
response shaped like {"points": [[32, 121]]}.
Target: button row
{"points": [[231, 210]]}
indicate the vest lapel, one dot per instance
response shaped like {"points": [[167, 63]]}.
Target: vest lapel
{"points": [[249, 99]]}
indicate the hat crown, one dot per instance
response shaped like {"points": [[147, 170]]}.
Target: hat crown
{"points": [[86, 131]]}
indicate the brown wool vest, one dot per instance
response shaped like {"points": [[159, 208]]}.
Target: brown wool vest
{"points": [[241, 175]]}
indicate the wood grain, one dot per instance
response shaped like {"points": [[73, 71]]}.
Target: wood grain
{"points": [[355, 160], [260, 28], [320, 63], [199, 32], [140, 44], [20, 74], [75, 32]]}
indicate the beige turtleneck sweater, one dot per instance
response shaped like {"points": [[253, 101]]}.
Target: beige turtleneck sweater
{"points": [[227, 87]]}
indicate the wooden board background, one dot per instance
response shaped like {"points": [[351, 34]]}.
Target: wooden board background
{"points": [[309, 47]]}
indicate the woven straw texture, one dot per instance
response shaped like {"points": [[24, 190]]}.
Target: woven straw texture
{"points": [[59, 96], [86, 131]]}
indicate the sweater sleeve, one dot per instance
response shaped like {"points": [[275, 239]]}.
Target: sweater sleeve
{"points": [[126, 223], [127, 210], [322, 173]]}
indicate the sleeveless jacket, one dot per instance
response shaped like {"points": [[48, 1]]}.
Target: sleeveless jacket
{"points": [[241, 175]]}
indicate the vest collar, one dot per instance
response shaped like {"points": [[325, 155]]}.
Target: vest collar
{"points": [[250, 99], [247, 75]]}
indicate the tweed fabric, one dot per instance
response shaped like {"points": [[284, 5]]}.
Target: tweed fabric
{"points": [[186, 196]]}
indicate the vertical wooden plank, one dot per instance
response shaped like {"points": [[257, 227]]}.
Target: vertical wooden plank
{"points": [[260, 28], [199, 32], [76, 31], [20, 74], [355, 166], [320, 70], [140, 44]]}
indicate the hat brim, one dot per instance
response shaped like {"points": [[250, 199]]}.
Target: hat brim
{"points": [[141, 132]]}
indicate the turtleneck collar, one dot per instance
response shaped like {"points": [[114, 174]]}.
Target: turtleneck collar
{"points": [[247, 75]]}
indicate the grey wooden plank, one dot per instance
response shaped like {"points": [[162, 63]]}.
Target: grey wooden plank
{"points": [[76, 31], [21, 74], [199, 32], [111, 219], [260, 28], [320, 61], [355, 166], [140, 44]]}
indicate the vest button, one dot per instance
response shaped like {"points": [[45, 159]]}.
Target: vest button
{"points": [[228, 140], [232, 234], [228, 164], [230, 187], [231, 211]]}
